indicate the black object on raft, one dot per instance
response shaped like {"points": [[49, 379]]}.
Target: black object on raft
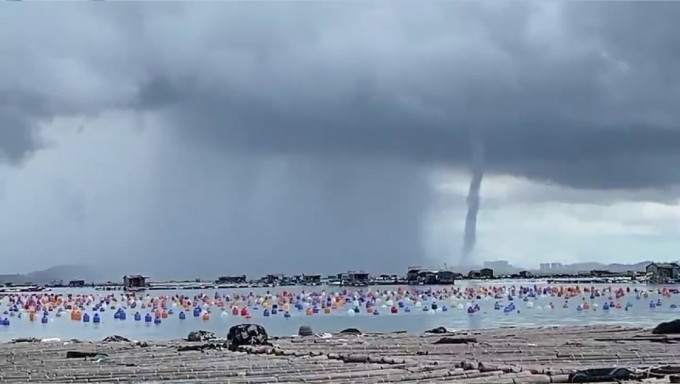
{"points": [[667, 328]]}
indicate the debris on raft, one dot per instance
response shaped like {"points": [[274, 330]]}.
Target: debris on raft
{"points": [[115, 339], [667, 328], [26, 340], [456, 340], [201, 336], [350, 331], [82, 355], [247, 334]]}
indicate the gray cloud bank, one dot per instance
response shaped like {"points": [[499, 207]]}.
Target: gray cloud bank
{"points": [[360, 99], [581, 94]]}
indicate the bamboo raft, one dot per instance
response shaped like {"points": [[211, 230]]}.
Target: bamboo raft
{"points": [[505, 355]]}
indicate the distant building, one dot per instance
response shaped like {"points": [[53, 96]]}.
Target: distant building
{"points": [[659, 273], [544, 267], [76, 283], [134, 282], [412, 274], [427, 277], [241, 279], [358, 277], [273, 278], [486, 273], [446, 277], [602, 273], [556, 266], [311, 279]]}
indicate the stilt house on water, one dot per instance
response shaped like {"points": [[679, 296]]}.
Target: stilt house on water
{"points": [[134, 283], [311, 279], [663, 273]]}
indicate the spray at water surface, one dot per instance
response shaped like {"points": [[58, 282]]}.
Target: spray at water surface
{"points": [[477, 170]]}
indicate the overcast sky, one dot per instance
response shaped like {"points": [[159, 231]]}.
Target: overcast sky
{"points": [[182, 139]]}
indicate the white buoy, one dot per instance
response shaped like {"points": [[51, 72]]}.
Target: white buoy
{"points": [[530, 304]]}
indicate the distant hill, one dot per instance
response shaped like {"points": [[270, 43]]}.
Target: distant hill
{"points": [[61, 272]]}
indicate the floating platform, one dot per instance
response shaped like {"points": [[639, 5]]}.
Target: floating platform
{"points": [[505, 355]]}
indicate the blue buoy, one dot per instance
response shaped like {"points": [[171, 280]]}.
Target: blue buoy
{"points": [[122, 315], [148, 318], [286, 315], [182, 316], [102, 309], [275, 311], [170, 312], [96, 319], [157, 320], [44, 319], [197, 311], [86, 318], [138, 316], [5, 322], [116, 315], [407, 309], [434, 306], [376, 313], [265, 313], [444, 308]]}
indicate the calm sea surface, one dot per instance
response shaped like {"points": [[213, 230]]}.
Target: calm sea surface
{"points": [[535, 312]]}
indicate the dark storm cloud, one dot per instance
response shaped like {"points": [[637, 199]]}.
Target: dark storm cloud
{"points": [[574, 107], [551, 87], [300, 134]]}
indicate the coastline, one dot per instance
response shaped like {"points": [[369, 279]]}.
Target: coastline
{"points": [[501, 355]]}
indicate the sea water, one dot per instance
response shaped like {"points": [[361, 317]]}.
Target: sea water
{"points": [[525, 315]]}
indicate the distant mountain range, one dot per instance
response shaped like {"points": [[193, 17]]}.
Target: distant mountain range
{"points": [[579, 267], [60, 272]]}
